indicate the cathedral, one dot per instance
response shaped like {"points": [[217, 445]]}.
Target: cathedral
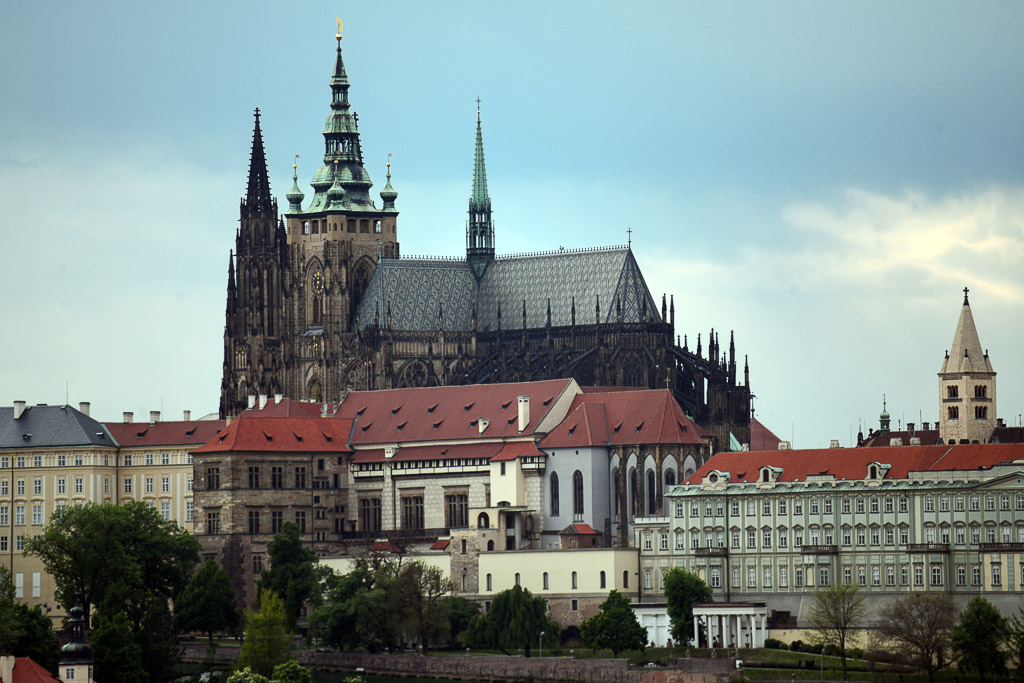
{"points": [[320, 302]]}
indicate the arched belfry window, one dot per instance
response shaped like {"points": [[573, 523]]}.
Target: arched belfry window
{"points": [[670, 479], [554, 494], [577, 493]]}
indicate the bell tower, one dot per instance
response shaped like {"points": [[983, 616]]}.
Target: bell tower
{"points": [[967, 386]]}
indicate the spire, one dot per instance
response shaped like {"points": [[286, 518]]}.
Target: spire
{"points": [[388, 195], [965, 354], [231, 285], [295, 195], [257, 191], [480, 226]]}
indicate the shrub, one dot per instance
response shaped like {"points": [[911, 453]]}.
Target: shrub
{"points": [[774, 644], [796, 646]]}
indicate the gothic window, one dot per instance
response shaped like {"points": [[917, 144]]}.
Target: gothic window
{"points": [[953, 412], [554, 494], [577, 493], [670, 479], [980, 391], [652, 493], [980, 412], [952, 391], [634, 487], [632, 372]]}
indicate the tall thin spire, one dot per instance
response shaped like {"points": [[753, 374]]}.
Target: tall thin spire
{"points": [[480, 226], [257, 192]]}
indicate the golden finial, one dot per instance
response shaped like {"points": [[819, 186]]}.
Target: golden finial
{"points": [[295, 164], [339, 28], [389, 160]]}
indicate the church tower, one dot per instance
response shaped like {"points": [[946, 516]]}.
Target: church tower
{"points": [[480, 226], [967, 386], [253, 315]]}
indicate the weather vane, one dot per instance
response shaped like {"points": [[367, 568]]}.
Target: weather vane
{"points": [[339, 27]]}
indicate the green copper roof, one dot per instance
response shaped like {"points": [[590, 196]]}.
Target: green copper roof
{"points": [[480, 198]]}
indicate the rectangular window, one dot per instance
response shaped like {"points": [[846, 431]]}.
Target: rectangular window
{"points": [[975, 535], [19, 545], [861, 537], [890, 536], [62, 485], [212, 478], [751, 578], [875, 536], [918, 575], [257, 564], [680, 541], [277, 521], [648, 544], [37, 514], [958, 504], [904, 535], [823, 576], [936, 575], [944, 504], [783, 538], [736, 540], [62, 460], [751, 538], [369, 514], [798, 577], [128, 459], [664, 541], [782, 507], [189, 510], [862, 578], [860, 505], [213, 522], [961, 536], [847, 537], [456, 510], [78, 460], [798, 537], [412, 512], [37, 486], [1004, 502], [846, 506], [814, 537], [679, 510], [708, 509], [300, 477], [997, 575], [37, 461], [751, 507], [767, 539], [78, 485], [149, 458], [276, 477], [165, 458], [828, 506], [929, 504], [903, 504], [975, 503], [783, 577], [766, 507], [20, 461], [3, 543], [1020, 501], [890, 576], [716, 578], [798, 507], [814, 506], [4, 487], [719, 509], [165, 510], [735, 508], [888, 504], [165, 484], [188, 482], [976, 575], [5, 516], [961, 576], [300, 520], [149, 484], [695, 509], [254, 477], [127, 484]]}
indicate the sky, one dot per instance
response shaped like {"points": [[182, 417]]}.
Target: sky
{"points": [[823, 179]]}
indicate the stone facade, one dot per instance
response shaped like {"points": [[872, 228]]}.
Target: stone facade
{"points": [[967, 386]]}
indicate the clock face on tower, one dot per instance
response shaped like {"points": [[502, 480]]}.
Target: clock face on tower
{"points": [[318, 283]]}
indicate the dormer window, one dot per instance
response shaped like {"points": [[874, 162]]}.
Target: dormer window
{"points": [[766, 475], [877, 470], [872, 472]]}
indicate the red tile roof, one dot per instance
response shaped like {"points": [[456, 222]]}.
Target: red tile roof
{"points": [[485, 449], [169, 433], [385, 546], [281, 435], [26, 670], [286, 407], [852, 463], [645, 416], [447, 413], [578, 529], [761, 438], [441, 544], [929, 437], [516, 449]]}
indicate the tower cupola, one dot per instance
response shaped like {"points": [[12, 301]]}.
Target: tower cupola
{"points": [[388, 195], [295, 195]]}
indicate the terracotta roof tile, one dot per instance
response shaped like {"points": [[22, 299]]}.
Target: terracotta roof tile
{"points": [[286, 407], [171, 433], [929, 437], [762, 438], [578, 529], [516, 449], [27, 670], [441, 544], [485, 450], [281, 435], [447, 413]]}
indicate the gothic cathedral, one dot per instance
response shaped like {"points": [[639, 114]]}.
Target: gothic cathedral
{"points": [[320, 303]]}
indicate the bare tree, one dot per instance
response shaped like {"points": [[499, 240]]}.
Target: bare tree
{"points": [[837, 611], [917, 627]]}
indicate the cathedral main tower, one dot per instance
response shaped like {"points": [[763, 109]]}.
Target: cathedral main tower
{"points": [[967, 386]]}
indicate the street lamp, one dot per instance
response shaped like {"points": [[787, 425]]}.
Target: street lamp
{"points": [[540, 645], [822, 664]]}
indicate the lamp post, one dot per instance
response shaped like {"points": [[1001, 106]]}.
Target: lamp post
{"points": [[540, 645], [822, 664]]}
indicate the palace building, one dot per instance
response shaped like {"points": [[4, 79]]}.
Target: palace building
{"points": [[320, 301]]}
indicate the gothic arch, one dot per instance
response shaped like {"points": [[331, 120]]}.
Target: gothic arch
{"points": [[413, 374], [315, 286], [632, 370], [313, 387], [362, 271]]}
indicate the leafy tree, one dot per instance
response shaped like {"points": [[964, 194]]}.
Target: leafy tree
{"points": [[334, 622], [460, 612], [515, 620], [291, 672], [683, 590], [614, 627], [25, 631], [116, 657], [122, 557], [421, 589], [207, 603], [979, 630], [292, 574], [247, 675], [917, 626], [1015, 637], [835, 613], [266, 642]]}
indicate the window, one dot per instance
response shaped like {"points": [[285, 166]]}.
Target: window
{"points": [[904, 504], [875, 536], [890, 576], [751, 578], [276, 477], [782, 507], [766, 507], [980, 412], [37, 486], [78, 460], [767, 538], [664, 542], [958, 504], [735, 508], [708, 509], [647, 541], [277, 521], [847, 576], [783, 578], [798, 537], [62, 485], [751, 507], [876, 577], [943, 503], [456, 510], [783, 538], [165, 510], [517, 579], [975, 503], [997, 575], [20, 461], [953, 412], [990, 534], [575, 583], [127, 484], [300, 520], [1004, 502], [936, 575], [412, 512], [165, 458], [19, 515], [846, 506], [149, 484], [961, 535], [3, 543], [603, 580], [625, 578], [861, 536], [862, 579], [4, 487], [257, 564], [213, 522], [828, 506], [37, 514], [888, 504], [19, 545], [254, 521], [165, 484], [554, 495], [751, 538], [990, 502], [680, 541], [254, 477], [860, 505], [370, 514], [828, 536], [574, 605], [128, 459], [904, 535], [823, 576], [212, 478], [798, 577], [929, 534], [1020, 501], [890, 536], [975, 534], [188, 482], [720, 509], [189, 510], [490, 583], [577, 492], [5, 516], [716, 578], [918, 575], [736, 540], [847, 536], [814, 506], [300, 477], [545, 580]]}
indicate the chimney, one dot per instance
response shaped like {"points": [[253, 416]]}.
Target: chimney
{"points": [[999, 422], [834, 444], [83, 408], [481, 425], [924, 426], [187, 416], [910, 426], [263, 401], [524, 413], [785, 446], [278, 397], [127, 416], [389, 452], [154, 417], [251, 401], [19, 409]]}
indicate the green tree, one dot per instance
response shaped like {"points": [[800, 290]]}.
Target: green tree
{"points": [[979, 631], [207, 603], [515, 620], [460, 612], [917, 628], [293, 574], [116, 657], [291, 672], [683, 590], [421, 589], [614, 627], [837, 611], [1015, 637], [25, 631], [333, 623], [266, 642], [246, 675]]}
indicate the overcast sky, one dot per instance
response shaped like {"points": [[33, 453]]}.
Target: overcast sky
{"points": [[822, 178]]}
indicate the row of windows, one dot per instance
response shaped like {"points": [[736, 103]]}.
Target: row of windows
{"points": [[165, 484], [78, 485], [573, 580], [768, 575], [129, 459], [456, 512], [277, 478], [80, 460], [959, 504], [953, 391], [577, 494]]}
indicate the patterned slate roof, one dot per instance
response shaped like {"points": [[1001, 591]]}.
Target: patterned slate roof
{"points": [[44, 426], [417, 289]]}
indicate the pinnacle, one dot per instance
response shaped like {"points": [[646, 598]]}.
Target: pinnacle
{"points": [[258, 188]]}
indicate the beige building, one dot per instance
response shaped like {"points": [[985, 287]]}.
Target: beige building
{"points": [[967, 386]]}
